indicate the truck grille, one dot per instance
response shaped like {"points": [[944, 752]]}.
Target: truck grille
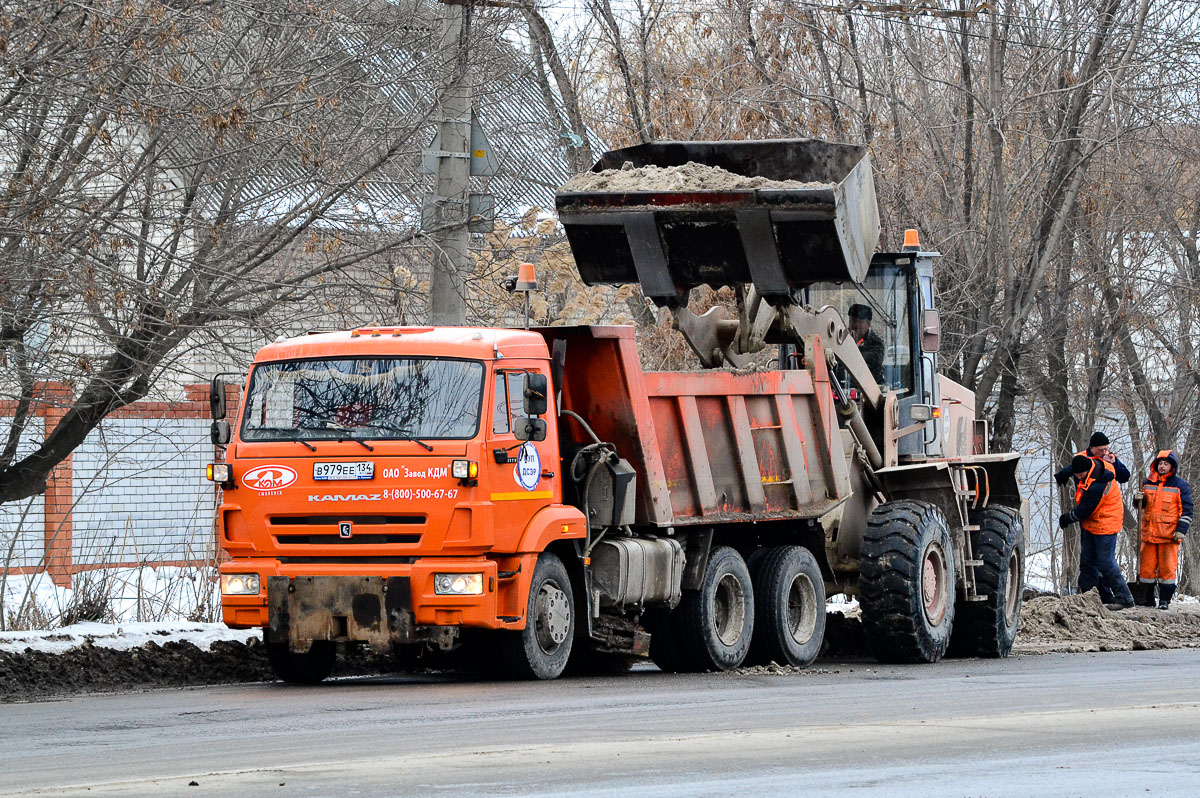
{"points": [[334, 520], [368, 530]]}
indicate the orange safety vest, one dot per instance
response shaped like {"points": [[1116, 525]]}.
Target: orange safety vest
{"points": [[1162, 509], [1109, 514]]}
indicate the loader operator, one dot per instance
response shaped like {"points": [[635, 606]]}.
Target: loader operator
{"points": [[870, 344], [1166, 502], [1099, 511]]}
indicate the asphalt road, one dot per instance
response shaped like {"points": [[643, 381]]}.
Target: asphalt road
{"points": [[1110, 724]]}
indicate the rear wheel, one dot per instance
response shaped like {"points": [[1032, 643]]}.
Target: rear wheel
{"points": [[716, 622], [906, 582], [307, 667], [542, 648], [789, 607], [988, 628]]}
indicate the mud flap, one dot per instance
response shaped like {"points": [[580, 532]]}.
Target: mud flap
{"points": [[367, 609]]}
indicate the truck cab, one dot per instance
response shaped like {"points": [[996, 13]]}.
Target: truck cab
{"points": [[389, 486]]}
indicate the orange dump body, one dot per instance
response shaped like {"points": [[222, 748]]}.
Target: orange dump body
{"points": [[708, 446]]}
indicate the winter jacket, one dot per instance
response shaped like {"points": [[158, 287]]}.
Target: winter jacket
{"points": [[1167, 503]]}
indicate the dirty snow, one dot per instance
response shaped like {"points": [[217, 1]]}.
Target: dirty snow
{"points": [[688, 177], [123, 636]]}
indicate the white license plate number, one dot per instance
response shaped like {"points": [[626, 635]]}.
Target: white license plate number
{"points": [[364, 469]]}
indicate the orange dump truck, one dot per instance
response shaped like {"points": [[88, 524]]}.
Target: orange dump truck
{"points": [[535, 496]]}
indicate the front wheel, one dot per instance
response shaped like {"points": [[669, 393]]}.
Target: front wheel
{"points": [[542, 648], [716, 622], [789, 595], [988, 628], [307, 667], [906, 582]]}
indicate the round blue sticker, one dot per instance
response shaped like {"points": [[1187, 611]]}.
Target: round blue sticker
{"points": [[529, 467]]}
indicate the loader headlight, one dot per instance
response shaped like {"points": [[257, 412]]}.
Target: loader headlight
{"points": [[458, 584], [239, 584]]}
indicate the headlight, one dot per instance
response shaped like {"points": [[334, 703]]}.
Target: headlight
{"points": [[458, 584], [464, 469], [220, 472], [239, 584]]}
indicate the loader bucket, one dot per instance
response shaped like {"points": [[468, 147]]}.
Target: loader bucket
{"points": [[781, 236]]}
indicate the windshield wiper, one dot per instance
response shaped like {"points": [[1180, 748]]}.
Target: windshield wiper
{"points": [[402, 434], [298, 439], [359, 441]]}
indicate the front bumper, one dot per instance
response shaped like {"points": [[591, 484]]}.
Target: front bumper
{"points": [[397, 606]]}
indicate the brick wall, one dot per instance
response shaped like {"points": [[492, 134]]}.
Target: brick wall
{"points": [[133, 493], [23, 524]]}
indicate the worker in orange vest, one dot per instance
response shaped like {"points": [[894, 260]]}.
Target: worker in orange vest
{"points": [[1099, 511], [1166, 502], [1098, 450]]}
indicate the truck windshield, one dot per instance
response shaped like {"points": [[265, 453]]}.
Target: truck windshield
{"points": [[377, 398], [886, 344]]}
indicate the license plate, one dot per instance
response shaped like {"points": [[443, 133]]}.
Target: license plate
{"points": [[363, 469]]}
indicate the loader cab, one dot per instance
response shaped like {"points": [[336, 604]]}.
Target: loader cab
{"points": [[898, 290]]}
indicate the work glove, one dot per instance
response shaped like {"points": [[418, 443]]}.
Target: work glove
{"points": [[1061, 479], [1138, 498], [1178, 535], [1066, 519]]}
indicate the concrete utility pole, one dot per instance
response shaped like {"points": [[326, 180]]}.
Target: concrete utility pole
{"points": [[447, 301]]}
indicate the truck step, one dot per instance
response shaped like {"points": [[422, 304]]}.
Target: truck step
{"points": [[972, 562], [980, 597]]}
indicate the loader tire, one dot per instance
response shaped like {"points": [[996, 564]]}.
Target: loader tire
{"points": [[789, 608], [906, 582], [716, 622], [988, 628], [542, 648], [308, 667]]}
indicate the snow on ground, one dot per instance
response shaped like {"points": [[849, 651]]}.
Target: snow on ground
{"points": [[122, 636], [165, 593]]}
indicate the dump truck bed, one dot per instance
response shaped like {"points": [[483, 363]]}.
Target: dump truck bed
{"points": [[802, 211], [709, 446]]}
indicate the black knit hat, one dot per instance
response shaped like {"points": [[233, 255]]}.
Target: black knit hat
{"points": [[1081, 464], [1098, 439]]}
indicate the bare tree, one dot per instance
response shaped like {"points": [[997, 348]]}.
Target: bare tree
{"points": [[172, 165]]}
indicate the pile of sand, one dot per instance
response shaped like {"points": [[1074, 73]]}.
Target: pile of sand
{"points": [[1082, 623], [688, 177]]}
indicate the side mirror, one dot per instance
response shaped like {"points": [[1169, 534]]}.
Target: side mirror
{"points": [[931, 331], [529, 429], [536, 387], [220, 433], [216, 398]]}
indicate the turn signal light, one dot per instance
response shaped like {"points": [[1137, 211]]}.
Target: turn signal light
{"points": [[464, 469]]}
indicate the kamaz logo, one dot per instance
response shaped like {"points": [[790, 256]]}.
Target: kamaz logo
{"points": [[345, 497]]}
